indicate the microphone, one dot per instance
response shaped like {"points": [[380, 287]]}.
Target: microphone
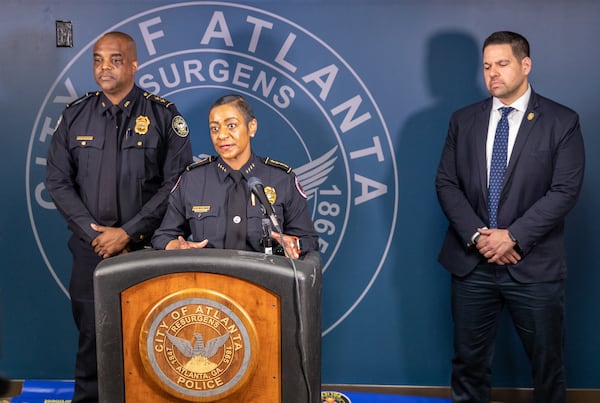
{"points": [[256, 187]]}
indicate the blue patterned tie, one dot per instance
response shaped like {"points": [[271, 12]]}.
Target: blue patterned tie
{"points": [[498, 166]]}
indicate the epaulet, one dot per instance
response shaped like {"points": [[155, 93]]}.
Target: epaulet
{"points": [[201, 162], [83, 98], [155, 98], [280, 165]]}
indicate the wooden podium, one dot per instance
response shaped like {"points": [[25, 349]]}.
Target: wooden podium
{"points": [[208, 325]]}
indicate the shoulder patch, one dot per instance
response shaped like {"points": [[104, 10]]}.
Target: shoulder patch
{"points": [[180, 126], [155, 98], [201, 162], [299, 188], [79, 100], [280, 165]]}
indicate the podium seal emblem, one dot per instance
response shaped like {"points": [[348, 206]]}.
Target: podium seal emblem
{"points": [[198, 345]]}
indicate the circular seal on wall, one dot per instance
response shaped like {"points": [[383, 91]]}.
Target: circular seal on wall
{"points": [[315, 113], [334, 397], [198, 345]]}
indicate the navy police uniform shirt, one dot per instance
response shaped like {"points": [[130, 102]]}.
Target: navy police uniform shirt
{"points": [[153, 149], [197, 205]]}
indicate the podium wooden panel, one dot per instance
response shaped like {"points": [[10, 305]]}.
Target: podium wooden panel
{"points": [[263, 310], [208, 326]]}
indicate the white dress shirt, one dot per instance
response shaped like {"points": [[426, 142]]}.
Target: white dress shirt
{"points": [[514, 122]]}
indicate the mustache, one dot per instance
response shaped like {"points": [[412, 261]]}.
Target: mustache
{"points": [[105, 74]]}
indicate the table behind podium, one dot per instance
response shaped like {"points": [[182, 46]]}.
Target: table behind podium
{"points": [[208, 325]]}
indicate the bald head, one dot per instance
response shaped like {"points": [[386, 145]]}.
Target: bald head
{"points": [[127, 41], [115, 64]]}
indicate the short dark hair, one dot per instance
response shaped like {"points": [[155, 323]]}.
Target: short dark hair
{"points": [[239, 102], [518, 43]]}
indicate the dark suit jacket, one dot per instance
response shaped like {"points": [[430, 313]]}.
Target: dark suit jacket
{"points": [[541, 185]]}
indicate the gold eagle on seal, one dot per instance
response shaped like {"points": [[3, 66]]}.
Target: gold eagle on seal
{"points": [[199, 353]]}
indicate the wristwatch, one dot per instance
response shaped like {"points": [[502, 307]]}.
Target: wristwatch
{"points": [[473, 240], [512, 237]]}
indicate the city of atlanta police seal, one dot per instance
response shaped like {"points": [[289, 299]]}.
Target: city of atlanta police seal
{"points": [[198, 345]]}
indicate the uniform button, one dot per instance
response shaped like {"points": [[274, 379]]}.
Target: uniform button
{"points": [[237, 219]]}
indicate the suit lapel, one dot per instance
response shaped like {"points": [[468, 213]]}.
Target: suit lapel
{"points": [[532, 114], [482, 121]]}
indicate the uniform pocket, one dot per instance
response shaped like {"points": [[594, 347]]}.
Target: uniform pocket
{"points": [[87, 152], [141, 155], [207, 222]]}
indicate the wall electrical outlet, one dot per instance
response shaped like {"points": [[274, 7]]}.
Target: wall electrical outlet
{"points": [[64, 34]]}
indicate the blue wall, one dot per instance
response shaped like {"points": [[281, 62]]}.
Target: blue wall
{"points": [[404, 65]]}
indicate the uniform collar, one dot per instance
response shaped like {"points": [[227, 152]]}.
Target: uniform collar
{"points": [[247, 169], [126, 104]]}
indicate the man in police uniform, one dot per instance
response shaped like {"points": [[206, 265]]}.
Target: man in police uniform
{"points": [[112, 161], [201, 204]]}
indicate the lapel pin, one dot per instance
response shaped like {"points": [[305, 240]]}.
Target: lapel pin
{"points": [[530, 116]]}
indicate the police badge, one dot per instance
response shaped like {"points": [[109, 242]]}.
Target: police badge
{"points": [[271, 194], [141, 125]]}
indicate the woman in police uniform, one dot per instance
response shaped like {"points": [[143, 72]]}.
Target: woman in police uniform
{"points": [[203, 203]]}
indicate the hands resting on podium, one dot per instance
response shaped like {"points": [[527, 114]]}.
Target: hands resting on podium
{"points": [[290, 244]]}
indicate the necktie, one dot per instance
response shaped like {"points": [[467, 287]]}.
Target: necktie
{"points": [[108, 212], [498, 166], [235, 235]]}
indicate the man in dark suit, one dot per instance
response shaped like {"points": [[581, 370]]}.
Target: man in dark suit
{"points": [[511, 170]]}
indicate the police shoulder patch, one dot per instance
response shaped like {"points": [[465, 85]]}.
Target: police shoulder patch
{"points": [[79, 100], [201, 162], [180, 126], [280, 165]]}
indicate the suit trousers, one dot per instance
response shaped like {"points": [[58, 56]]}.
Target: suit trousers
{"points": [[538, 312], [81, 290]]}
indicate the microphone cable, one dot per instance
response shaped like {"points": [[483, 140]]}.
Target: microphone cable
{"points": [[256, 187], [298, 308]]}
